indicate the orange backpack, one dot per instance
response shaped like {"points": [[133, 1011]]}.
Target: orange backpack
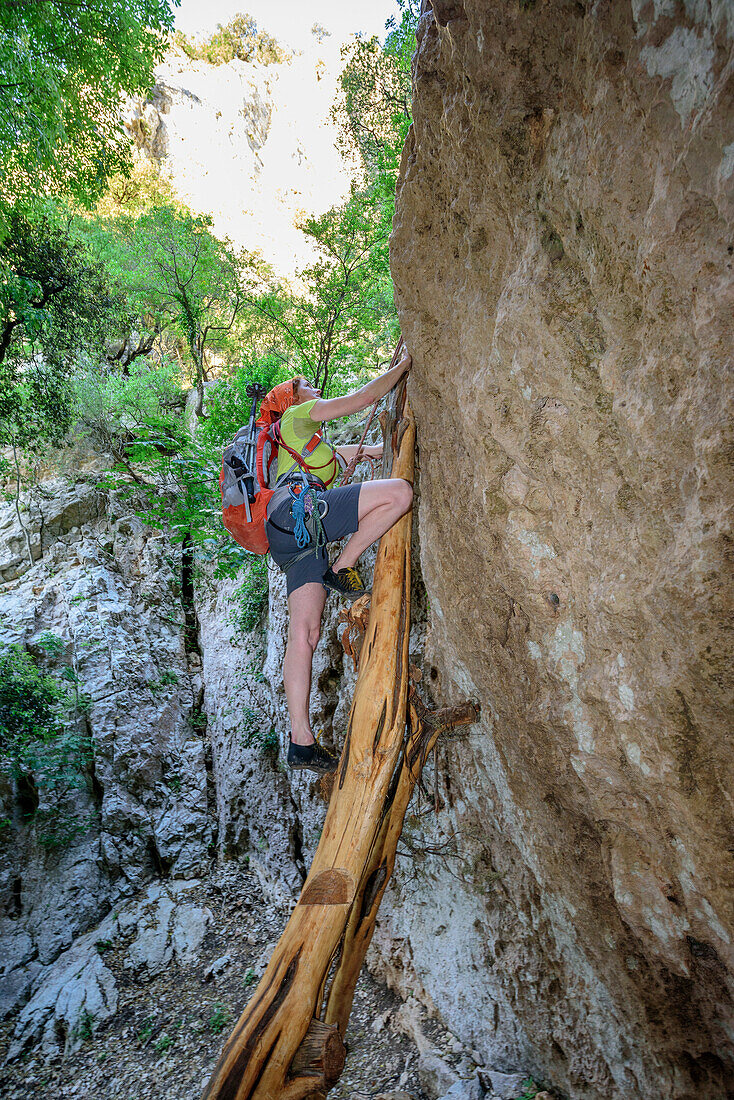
{"points": [[246, 494]]}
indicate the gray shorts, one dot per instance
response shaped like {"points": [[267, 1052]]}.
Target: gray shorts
{"points": [[341, 518]]}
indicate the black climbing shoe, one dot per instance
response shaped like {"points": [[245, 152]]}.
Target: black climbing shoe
{"points": [[312, 758], [347, 582]]}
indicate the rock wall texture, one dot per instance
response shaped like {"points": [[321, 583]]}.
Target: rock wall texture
{"points": [[562, 255], [187, 725], [111, 591]]}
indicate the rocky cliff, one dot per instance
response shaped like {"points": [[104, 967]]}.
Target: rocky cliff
{"points": [[251, 144], [562, 255], [133, 938]]}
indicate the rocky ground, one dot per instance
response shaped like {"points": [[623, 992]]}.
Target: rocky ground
{"points": [[170, 1025]]}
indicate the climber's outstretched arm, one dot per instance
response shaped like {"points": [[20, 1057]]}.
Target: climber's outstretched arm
{"points": [[362, 398]]}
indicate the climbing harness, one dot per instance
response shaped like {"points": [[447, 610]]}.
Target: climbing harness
{"points": [[308, 449]]}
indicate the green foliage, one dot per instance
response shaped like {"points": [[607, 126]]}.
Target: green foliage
{"points": [[374, 109], [227, 403], [167, 678], [50, 643], [239, 39], [57, 826], [57, 307], [42, 741], [161, 1045], [250, 977], [346, 316], [66, 68], [219, 1019], [116, 411], [84, 1028], [177, 275], [143, 188], [137, 422], [146, 1031], [31, 705], [250, 600], [182, 290], [529, 1090]]}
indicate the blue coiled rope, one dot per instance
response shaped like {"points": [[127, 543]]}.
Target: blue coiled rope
{"points": [[303, 505]]}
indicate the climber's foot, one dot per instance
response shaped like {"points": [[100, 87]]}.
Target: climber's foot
{"points": [[347, 582], [312, 758]]}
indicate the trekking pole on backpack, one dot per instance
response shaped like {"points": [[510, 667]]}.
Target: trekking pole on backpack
{"points": [[249, 448]]}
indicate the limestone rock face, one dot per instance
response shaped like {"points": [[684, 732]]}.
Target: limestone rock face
{"points": [[78, 993], [562, 255], [110, 591], [263, 809], [253, 145]]}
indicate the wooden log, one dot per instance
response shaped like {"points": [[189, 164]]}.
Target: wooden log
{"points": [[321, 1054], [256, 1060], [425, 729]]}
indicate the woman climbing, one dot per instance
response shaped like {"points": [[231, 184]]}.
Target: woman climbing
{"points": [[364, 511]]}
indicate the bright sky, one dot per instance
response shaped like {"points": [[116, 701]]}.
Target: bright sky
{"points": [[290, 20]]}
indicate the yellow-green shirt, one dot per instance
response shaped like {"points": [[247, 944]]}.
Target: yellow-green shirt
{"points": [[297, 428]]}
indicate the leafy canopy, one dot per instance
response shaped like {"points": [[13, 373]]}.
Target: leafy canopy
{"points": [[373, 111], [57, 306], [177, 275], [66, 66], [345, 316]]}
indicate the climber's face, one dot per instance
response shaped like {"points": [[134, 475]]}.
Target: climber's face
{"points": [[306, 392]]}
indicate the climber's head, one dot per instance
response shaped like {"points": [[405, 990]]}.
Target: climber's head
{"points": [[282, 396], [303, 391], [279, 399]]}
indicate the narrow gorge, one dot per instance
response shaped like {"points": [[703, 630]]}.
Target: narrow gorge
{"points": [[560, 919]]}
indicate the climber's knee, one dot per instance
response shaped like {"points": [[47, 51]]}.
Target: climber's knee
{"points": [[404, 495], [304, 635]]}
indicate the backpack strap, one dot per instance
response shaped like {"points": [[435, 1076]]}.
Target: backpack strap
{"points": [[299, 457]]}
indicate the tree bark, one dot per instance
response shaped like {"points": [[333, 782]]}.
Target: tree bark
{"points": [[425, 729]]}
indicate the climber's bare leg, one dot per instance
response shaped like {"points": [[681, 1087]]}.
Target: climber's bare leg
{"points": [[381, 504], [305, 607]]}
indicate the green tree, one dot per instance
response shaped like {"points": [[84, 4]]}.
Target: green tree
{"points": [[44, 746], [177, 275], [66, 65], [118, 410], [346, 315], [239, 39], [172, 475], [30, 704], [373, 111], [57, 306]]}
